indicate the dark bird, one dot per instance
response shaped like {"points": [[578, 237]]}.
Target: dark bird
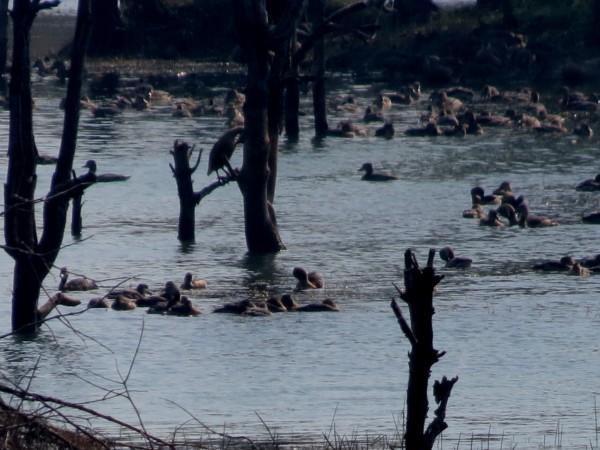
{"points": [[508, 211], [478, 197], [221, 152], [591, 217], [462, 262], [565, 264], [122, 303], [104, 177], [184, 307], [326, 305], [189, 282], [531, 220], [134, 294], [373, 176], [168, 297], [505, 188], [77, 284], [589, 185], [491, 220], [307, 280]]}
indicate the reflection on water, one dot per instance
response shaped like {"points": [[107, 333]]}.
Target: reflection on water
{"points": [[524, 344]]}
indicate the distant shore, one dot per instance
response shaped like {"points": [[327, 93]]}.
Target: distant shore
{"points": [[50, 34]]}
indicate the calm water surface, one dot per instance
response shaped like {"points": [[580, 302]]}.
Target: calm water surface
{"points": [[524, 344]]}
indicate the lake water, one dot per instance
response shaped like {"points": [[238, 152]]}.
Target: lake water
{"points": [[524, 344]]}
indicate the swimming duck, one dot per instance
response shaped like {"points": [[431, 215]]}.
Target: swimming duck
{"points": [[77, 284], [491, 220], [583, 130], [459, 130], [307, 280], [372, 115], [565, 264], [589, 185], [591, 262], [288, 301], [222, 150], [98, 302], [189, 282], [235, 307], [513, 201], [478, 197], [476, 212], [579, 270], [374, 176], [184, 307], [533, 221], [167, 298], [386, 131], [431, 129], [257, 309], [326, 305], [104, 177], [505, 188], [508, 211], [591, 217], [447, 254], [139, 292], [121, 303], [383, 102]]}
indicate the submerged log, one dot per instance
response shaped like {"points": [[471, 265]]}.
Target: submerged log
{"points": [[419, 285]]}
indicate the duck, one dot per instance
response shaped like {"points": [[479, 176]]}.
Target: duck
{"points": [[222, 150], [307, 280], [591, 217], [189, 282], [275, 305], [344, 129], [326, 305], [168, 297], [288, 301], [533, 221], [92, 167], [476, 212], [122, 303], [459, 130], [373, 115], [491, 220], [139, 292], [508, 211], [583, 130], [383, 102], [386, 131], [77, 284], [478, 196], [460, 262], [257, 309], [591, 262], [370, 175], [184, 307], [431, 129], [565, 264], [235, 307], [579, 270], [98, 302], [589, 185], [505, 188], [513, 201]]}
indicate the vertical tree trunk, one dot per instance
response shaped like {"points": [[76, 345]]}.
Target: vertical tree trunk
{"points": [[419, 286], [33, 260], [292, 98], [107, 32], [182, 172], [317, 16], [3, 44]]}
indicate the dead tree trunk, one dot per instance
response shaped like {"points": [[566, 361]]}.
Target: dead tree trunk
{"points": [[34, 259], [263, 36], [182, 172], [292, 98], [419, 285], [3, 44], [317, 18]]}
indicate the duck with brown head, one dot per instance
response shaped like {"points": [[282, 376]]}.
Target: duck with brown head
{"points": [[189, 282], [77, 284], [307, 280], [565, 264], [184, 308], [452, 261], [103, 177]]}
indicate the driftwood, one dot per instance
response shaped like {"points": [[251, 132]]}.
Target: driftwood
{"points": [[419, 285]]}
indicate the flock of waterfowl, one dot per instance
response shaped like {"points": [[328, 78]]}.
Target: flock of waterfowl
{"points": [[516, 212], [171, 301]]}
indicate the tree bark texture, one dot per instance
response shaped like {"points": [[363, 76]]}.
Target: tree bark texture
{"points": [[3, 44], [263, 45], [107, 32], [182, 172], [317, 18], [419, 285], [34, 259]]}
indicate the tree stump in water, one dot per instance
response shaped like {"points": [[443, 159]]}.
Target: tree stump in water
{"points": [[419, 285]]}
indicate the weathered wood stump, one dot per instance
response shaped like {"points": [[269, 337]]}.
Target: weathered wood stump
{"points": [[419, 285]]}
